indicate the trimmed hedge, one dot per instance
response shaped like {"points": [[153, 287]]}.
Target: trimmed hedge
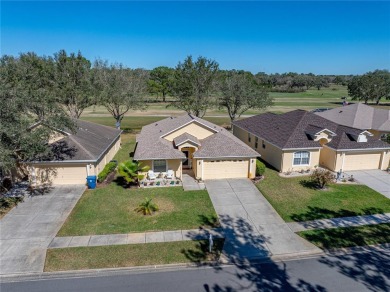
{"points": [[110, 167], [260, 168]]}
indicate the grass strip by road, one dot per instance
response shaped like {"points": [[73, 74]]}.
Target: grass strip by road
{"points": [[295, 200], [115, 256], [348, 236], [110, 210]]}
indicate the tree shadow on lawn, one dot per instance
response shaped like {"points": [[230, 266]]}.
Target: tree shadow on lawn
{"points": [[309, 184], [348, 237], [242, 245], [120, 181], [316, 213]]}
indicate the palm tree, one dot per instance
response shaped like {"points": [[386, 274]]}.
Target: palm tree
{"points": [[130, 171], [147, 207]]}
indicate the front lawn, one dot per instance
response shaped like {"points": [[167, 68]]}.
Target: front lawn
{"points": [[295, 200], [348, 236], [114, 256], [110, 210]]}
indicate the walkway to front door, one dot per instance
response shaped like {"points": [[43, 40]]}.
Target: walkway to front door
{"points": [[251, 226]]}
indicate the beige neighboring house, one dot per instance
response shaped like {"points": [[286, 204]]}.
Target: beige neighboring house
{"points": [[196, 145], [360, 116], [302, 140], [74, 156]]}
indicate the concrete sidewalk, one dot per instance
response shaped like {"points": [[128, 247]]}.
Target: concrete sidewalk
{"points": [[27, 230], [133, 238], [340, 222]]}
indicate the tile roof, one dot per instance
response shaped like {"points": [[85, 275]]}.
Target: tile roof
{"points": [[359, 116], [152, 145], [295, 130], [89, 142]]}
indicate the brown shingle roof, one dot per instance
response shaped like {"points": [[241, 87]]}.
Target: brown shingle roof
{"points": [[152, 145], [359, 116], [294, 130], [88, 143]]}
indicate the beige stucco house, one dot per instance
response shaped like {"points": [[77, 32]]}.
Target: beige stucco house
{"points": [[190, 143], [302, 140], [74, 156], [360, 116]]}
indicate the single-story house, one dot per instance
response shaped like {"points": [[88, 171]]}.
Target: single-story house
{"points": [[74, 156], [360, 116], [188, 142], [302, 140]]}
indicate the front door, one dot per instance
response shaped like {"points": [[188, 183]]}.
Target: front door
{"points": [[186, 163]]}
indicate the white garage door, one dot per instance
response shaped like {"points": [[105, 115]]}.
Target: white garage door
{"points": [[217, 169], [362, 161], [62, 175]]}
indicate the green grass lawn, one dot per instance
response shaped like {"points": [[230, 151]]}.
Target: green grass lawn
{"points": [[110, 210], [115, 256], [349, 236], [127, 146], [296, 202]]}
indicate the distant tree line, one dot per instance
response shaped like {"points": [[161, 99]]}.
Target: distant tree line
{"points": [[56, 89]]}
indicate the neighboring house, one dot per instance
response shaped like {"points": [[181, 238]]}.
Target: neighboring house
{"points": [[188, 142], [301, 140], [360, 116], [74, 156]]}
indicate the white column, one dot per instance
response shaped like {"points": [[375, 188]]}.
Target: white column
{"points": [[342, 161]]}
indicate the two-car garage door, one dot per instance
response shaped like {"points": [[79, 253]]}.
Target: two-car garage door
{"points": [[57, 175], [217, 169], [362, 161]]}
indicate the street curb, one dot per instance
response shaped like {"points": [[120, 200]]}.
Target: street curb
{"points": [[224, 261]]}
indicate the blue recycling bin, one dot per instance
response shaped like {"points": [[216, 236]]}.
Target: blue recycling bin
{"points": [[91, 181]]}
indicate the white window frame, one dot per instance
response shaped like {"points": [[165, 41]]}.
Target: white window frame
{"points": [[301, 164], [166, 165]]}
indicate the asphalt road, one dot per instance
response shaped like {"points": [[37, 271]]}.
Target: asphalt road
{"points": [[364, 271]]}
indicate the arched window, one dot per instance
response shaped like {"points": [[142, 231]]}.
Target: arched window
{"points": [[301, 158]]}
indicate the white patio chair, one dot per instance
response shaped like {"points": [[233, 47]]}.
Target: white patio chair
{"points": [[151, 175], [170, 174]]}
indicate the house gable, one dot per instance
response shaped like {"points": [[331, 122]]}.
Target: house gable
{"points": [[193, 128]]}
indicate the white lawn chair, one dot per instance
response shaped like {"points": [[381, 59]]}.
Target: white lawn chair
{"points": [[170, 174], [151, 175]]}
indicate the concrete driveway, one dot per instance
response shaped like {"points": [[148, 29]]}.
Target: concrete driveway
{"points": [[376, 179], [27, 230], [251, 226]]}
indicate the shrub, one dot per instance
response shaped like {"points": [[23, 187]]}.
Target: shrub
{"points": [[322, 177], [106, 171], [9, 202], [260, 168], [147, 207]]}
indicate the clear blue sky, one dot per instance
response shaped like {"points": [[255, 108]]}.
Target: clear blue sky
{"points": [[319, 37]]}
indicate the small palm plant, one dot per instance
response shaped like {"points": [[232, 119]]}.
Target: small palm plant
{"points": [[132, 171], [147, 207]]}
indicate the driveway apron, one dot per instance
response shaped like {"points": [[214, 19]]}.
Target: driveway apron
{"points": [[375, 179], [27, 230], [251, 226]]}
